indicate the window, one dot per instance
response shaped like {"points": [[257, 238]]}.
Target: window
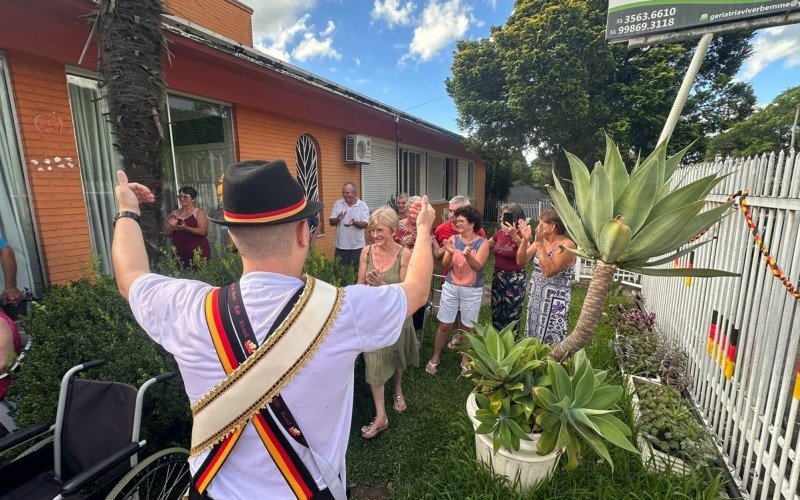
{"points": [[16, 221], [436, 178], [307, 169], [410, 175], [197, 148], [451, 171], [466, 178]]}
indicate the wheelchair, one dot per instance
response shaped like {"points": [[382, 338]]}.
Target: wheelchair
{"points": [[92, 449]]}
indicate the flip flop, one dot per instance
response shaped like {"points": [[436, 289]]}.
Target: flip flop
{"points": [[399, 404], [430, 368], [370, 431], [454, 342]]}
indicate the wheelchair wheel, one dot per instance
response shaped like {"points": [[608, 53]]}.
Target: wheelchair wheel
{"points": [[162, 476]]}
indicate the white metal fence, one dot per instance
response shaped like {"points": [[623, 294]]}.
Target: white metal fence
{"points": [[753, 413]]}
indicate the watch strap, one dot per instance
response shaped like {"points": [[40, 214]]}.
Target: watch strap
{"points": [[127, 213]]}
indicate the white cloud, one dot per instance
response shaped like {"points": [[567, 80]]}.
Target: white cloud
{"points": [[312, 47], [781, 43], [442, 23], [271, 17], [282, 32], [358, 61], [392, 12], [278, 46], [329, 29]]}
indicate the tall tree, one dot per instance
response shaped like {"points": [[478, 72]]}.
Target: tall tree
{"points": [[768, 129], [548, 79], [131, 45]]}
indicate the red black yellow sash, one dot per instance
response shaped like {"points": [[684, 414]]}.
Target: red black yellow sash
{"points": [[234, 341]]}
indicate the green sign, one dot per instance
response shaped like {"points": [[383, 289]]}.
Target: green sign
{"points": [[637, 18]]}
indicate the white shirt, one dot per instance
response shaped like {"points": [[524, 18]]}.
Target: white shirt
{"points": [[320, 395], [350, 237]]}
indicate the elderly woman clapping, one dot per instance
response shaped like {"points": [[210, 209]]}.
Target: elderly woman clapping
{"points": [[382, 263]]}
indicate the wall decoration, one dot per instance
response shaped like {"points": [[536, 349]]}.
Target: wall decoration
{"points": [[47, 122]]}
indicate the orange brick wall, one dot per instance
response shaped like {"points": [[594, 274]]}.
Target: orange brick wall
{"points": [[269, 137], [226, 17], [263, 136], [45, 121]]}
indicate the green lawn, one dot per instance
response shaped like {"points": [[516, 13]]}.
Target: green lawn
{"points": [[429, 451]]}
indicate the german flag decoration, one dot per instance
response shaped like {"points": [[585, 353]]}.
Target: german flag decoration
{"points": [[730, 362], [759, 241], [690, 265], [722, 341], [712, 332], [796, 393]]}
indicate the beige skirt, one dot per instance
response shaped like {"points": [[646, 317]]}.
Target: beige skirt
{"points": [[381, 364]]}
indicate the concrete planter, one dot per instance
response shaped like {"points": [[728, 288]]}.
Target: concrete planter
{"points": [[652, 458], [525, 463]]}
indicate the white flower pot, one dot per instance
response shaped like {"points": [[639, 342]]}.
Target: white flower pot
{"points": [[525, 463]]}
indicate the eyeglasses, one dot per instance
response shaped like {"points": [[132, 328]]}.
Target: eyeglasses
{"points": [[184, 197], [459, 222]]}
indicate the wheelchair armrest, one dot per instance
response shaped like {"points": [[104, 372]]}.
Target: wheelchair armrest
{"points": [[76, 483], [26, 434]]}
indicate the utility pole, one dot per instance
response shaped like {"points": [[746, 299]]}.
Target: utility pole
{"points": [[686, 86], [794, 127]]}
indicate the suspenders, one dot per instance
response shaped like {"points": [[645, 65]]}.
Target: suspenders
{"points": [[235, 341]]}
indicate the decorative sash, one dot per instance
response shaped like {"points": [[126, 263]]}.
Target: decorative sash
{"points": [[221, 414]]}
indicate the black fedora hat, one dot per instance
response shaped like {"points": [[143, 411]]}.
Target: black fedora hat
{"points": [[261, 193]]}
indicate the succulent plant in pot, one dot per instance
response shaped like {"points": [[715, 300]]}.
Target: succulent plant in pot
{"points": [[531, 404]]}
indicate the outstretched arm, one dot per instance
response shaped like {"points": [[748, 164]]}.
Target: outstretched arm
{"points": [[420, 267], [128, 253], [8, 262]]}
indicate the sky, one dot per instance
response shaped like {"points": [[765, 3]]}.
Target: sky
{"points": [[399, 52]]}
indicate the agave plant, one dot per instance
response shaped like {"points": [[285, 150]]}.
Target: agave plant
{"points": [[578, 408], [519, 391], [505, 372], [630, 221]]}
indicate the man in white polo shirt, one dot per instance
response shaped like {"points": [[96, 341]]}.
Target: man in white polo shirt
{"points": [[350, 216], [266, 212]]}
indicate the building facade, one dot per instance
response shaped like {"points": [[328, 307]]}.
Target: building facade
{"points": [[226, 102]]}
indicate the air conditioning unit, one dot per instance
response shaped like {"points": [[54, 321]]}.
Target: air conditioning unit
{"points": [[357, 149]]}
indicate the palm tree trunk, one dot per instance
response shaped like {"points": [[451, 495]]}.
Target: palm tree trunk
{"points": [[590, 312]]}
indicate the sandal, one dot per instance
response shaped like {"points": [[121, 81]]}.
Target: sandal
{"points": [[371, 430], [454, 342], [430, 368], [399, 403]]}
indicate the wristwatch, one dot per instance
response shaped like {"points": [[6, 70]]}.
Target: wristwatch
{"points": [[127, 213]]}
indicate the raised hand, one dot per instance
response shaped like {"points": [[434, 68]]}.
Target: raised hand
{"points": [[449, 246], [524, 230], [422, 213], [130, 194], [507, 228], [467, 251]]}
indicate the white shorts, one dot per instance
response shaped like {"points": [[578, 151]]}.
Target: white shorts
{"points": [[455, 298]]}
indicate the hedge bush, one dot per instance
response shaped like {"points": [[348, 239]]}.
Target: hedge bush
{"points": [[88, 319]]}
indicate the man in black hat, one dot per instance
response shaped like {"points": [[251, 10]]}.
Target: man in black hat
{"points": [[308, 422]]}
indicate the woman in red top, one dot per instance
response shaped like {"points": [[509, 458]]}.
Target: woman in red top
{"points": [[508, 283], [10, 344], [188, 227]]}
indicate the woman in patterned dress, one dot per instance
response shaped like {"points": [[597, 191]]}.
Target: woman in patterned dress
{"points": [[548, 301], [382, 263], [508, 280]]}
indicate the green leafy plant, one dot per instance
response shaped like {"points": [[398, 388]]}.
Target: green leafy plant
{"points": [[631, 221], [666, 421], [519, 391], [577, 408]]}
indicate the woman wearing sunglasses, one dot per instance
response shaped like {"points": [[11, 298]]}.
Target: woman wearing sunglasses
{"points": [[188, 226]]}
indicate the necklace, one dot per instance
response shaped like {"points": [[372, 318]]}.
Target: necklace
{"points": [[388, 255]]}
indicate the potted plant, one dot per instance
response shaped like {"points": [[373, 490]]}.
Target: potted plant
{"points": [[526, 408], [670, 437]]}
